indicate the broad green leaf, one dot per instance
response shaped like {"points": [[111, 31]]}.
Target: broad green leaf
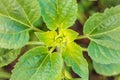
{"points": [[73, 57], [103, 29], [15, 40], [38, 64], [107, 69], [22, 11], [47, 37], [16, 16], [7, 56], [58, 13]]}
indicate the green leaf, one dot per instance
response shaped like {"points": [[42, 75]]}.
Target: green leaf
{"points": [[38, 64], [25, 12], [73, 57], [107, 69], [7, 56], [58, 13], [47, 37], [15, 40], [16, 16], [103, 29]]}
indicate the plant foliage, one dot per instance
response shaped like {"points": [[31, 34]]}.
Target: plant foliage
{"points": [[56, 48]]}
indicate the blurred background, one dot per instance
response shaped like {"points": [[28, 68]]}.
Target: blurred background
{"points": [[85, 9]]}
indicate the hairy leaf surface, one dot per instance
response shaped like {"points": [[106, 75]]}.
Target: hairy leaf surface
{"points": [[103, 29], [58, 13], [38, 64], [73, 57]]}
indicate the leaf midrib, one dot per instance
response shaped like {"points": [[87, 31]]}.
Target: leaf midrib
{"points": [[105, 32], [18, 21], [103, 45], [76, 62], [25, 14], [56, 74], [14, 20], [26, 30], [39, 66]]}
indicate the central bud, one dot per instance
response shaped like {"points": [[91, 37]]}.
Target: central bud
{"points": [[59, 39]]}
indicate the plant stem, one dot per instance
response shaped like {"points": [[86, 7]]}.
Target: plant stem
{"points": [[36, 29], [82, 37], [52, 49], [35, 43], [84, 49]]}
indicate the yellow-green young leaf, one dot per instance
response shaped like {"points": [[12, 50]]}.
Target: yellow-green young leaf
{"points": [[103, 29], [68, 35], [73, 57], [47, 37], [7, 56], [51, 38], [38, 64], [58, 13], [107, 69], [15, 17]]}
